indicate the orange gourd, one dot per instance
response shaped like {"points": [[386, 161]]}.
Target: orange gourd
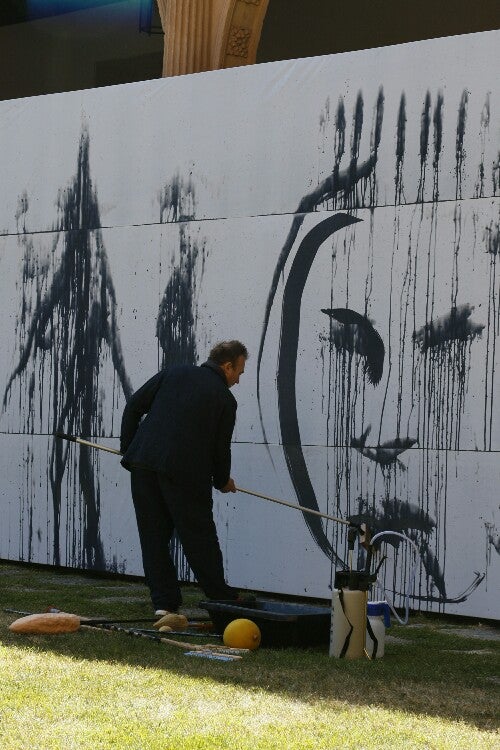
{"points": [[46, 623]]}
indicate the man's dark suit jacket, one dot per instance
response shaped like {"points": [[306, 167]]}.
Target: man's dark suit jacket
{"points": [[186, 433]]}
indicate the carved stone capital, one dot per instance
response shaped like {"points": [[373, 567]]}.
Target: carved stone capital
{"points": [[210, 34]]}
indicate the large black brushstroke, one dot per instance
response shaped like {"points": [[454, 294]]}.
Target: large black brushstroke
{"points": [[177, 317], [287, 366], [341, 187], [67, 332], [357, 334]]}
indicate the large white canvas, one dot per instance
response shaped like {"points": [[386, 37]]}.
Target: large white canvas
{"points": [[341, 216]]}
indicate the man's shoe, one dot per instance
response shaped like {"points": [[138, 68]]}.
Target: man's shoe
{"points": [[163, 612]]}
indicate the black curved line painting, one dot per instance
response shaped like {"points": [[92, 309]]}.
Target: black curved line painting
{"points": [[434, 351]]}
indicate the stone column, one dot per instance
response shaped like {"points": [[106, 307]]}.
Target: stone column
{"points": [[210, 34], [186, 25]]}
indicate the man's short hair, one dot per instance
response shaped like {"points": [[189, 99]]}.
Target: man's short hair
{"points": [[228, 351]]}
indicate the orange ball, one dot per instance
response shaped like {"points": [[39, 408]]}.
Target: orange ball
{"points": [[242, 633]]}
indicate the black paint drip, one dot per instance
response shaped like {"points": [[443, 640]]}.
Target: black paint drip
{"points": [[459, 150], [484, 129], [445, 347], [66, 330], [400, 150], [454, 326], [177, 318], [438, 143], [425, 126], [177, 200]]}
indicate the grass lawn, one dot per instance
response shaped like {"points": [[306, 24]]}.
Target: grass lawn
{"points": [[99, 690]]}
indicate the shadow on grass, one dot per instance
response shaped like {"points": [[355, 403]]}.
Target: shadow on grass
{"points": [[419, 675]]}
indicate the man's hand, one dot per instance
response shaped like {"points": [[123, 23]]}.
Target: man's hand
{"points": [[230, 486]]}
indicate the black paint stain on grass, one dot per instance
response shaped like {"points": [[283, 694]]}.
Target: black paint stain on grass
{"points": [[66, 330]]}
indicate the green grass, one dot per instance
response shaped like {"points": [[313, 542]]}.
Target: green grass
{"points": [[98, 690]]}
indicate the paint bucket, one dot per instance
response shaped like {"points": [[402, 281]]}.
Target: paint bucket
{"points": [[348, 625], [378, 619]]}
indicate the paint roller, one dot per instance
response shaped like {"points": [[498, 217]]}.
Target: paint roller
{"points": [[361, 528]]}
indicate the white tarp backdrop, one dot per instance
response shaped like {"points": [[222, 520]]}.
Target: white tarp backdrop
{"points": [[340, 215]]}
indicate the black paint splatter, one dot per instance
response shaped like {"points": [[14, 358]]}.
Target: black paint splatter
{"points": [[177, 315], [177, 200], [454, 326], [357, 334], [386, 453], [177, 318], [66, 329]]}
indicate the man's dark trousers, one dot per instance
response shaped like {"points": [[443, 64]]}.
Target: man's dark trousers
{"points": [[161, 506]]}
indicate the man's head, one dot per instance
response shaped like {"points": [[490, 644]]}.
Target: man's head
{"points": [[231, 357]]}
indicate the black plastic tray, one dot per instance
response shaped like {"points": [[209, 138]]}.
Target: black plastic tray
{"points": [[282, 624]]}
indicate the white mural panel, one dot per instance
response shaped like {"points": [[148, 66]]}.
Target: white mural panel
{"points": [[396, 124], [341, 216]]}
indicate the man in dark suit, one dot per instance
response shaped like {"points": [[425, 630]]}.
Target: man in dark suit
{"points": [[175, 455]]}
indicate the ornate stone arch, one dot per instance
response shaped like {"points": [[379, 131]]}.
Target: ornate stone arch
{"points": [[210, 34]]}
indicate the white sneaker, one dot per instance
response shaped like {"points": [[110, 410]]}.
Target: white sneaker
{"points": [[161, 612]]}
